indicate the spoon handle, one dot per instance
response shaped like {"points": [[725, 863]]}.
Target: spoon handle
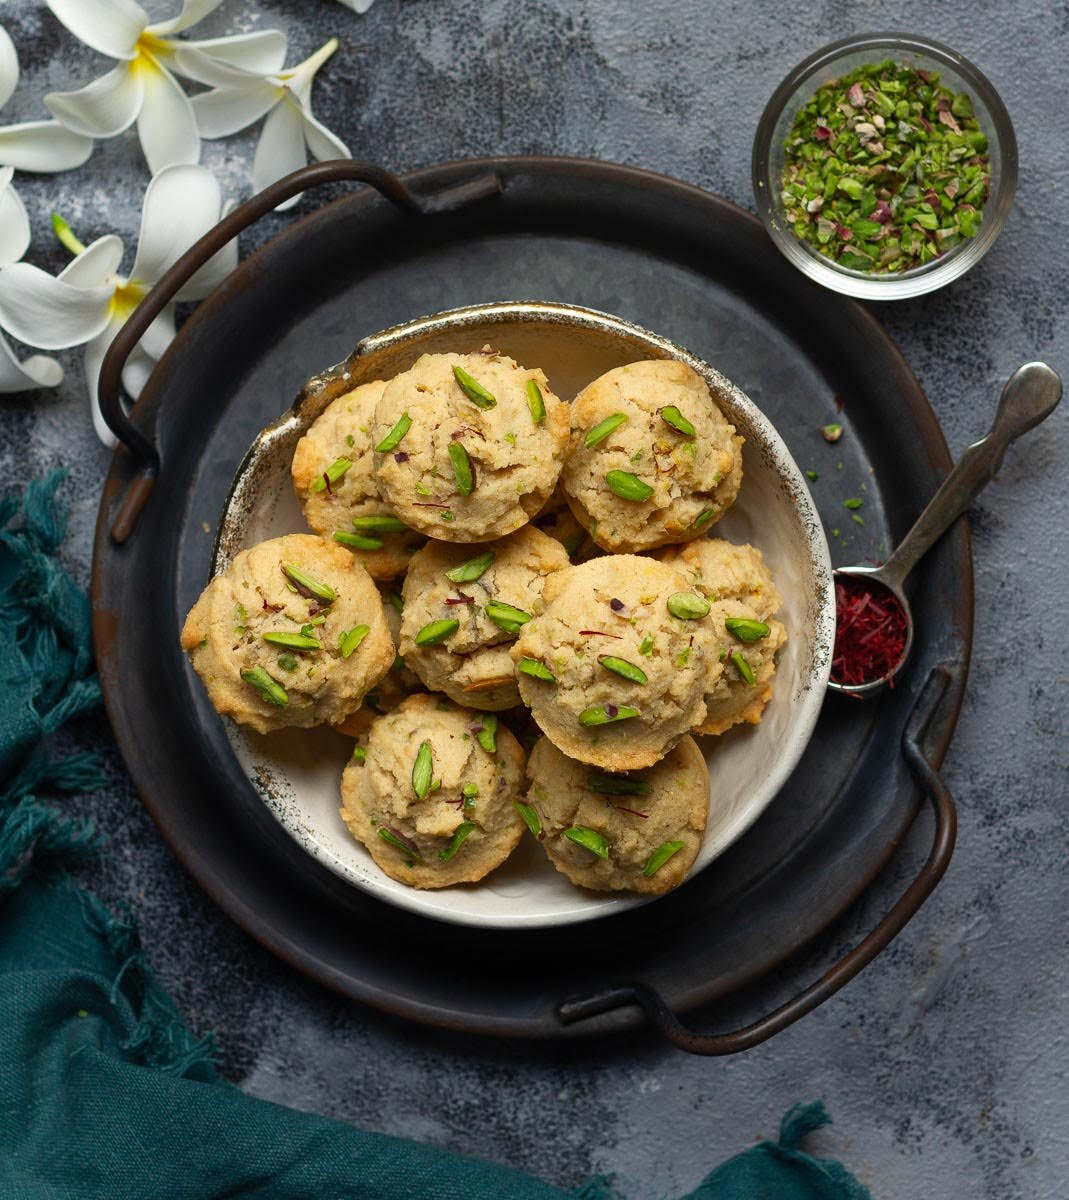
{"points": [[1031, 394]]}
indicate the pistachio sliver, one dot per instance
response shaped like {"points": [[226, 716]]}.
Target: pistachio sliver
{"points": [[506, 616], [617, 785], [605, 714], [535, 401], [396, 435], [356, 541], [744, 669], [486, 734], [435, 632], [589, 839], [291, 641], [332, 474], [462, 471], [602, 429], [539, 670], [379, 523], [269, 689], [688, 607], [460, 836], [399, 841], [473, 389], [628, 486], [308, 585], [423, 771], [660, 856], [705, 515], [530, 817], [671, 415], [349, 641], [746, 630], [472, 569], [359, 754], [396, 601], [621, 666]]}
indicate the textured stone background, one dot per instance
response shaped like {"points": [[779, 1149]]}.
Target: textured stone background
{"points": [[945, 1063]]}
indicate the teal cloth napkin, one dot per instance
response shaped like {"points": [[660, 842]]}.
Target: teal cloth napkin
{"points": [[104, 1092]]}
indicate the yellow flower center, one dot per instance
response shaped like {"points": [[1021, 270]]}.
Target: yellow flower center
{"points": [[151, 51], [127, 296]]}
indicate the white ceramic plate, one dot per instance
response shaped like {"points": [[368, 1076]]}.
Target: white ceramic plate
{"points": [[297, 772]]}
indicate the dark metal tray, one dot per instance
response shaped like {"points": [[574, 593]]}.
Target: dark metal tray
{"points": [[669, 257]]}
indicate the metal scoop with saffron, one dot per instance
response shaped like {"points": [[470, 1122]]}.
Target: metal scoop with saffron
{"points": [[1030, 396]]}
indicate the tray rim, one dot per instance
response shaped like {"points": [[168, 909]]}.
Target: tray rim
{"points": [[216, 886]]}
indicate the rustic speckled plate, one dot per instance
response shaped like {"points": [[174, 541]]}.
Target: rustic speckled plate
{"points": [[297, 772]]}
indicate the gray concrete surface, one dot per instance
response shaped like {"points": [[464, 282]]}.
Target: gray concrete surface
{"points": [[944, 1065]]}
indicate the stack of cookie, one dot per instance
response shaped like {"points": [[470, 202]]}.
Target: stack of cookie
{"points": [[529, 555]]}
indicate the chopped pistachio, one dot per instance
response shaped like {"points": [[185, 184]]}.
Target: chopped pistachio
{"points": [[349, 641], [602, 429], [705, 515], [660, 856], [379, 523], [269, 689], [687, 606], [308, 585], [506, 616], [396, 601], [356, 541], [486, 736], [472, 569], [744, 668], [674, 418], [460, 836], [474, 390], [535, 402], [853, 503], [589, 839], [462, 472], [396, 435], [628, 486], [332, 474], [531, 666], [646, 646], [292, 641], [287, 662], [530, 817], [435, 632], [812, 476], [606, 714], [399, 841], [832, 432], [618, 785], [359, 754], [423, 771], [746, 630], [620, 666]]}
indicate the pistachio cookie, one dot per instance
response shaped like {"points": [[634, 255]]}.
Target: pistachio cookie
{"points": [[615, 669], [292, 633], [652, 459], [433, 796], [639, 832], [334, 479], [749, 638], [464, 606], [468, 446], [397, 684]]}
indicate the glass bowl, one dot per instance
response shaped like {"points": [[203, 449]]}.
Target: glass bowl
{"points": [[831, 63]]}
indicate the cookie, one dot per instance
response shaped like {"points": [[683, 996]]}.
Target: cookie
{"points": [[435, 803], [456, 632], [611, 671], [292, 633], [333, 477], [468, 447], [748, 637], [652, 459], [639, 832]]}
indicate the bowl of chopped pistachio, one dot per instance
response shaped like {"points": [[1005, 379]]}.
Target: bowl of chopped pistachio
{"points": [[884, 166]]}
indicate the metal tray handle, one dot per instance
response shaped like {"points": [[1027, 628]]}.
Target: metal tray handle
{"points": [[143, 451], [918, 755]]}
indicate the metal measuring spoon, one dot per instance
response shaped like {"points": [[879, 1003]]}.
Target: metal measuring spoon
{"points": [[1031, 394]]}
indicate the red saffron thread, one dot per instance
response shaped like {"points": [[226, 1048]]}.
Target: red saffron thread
{"points": [[870, 632], [600, 633], [633, 812]]}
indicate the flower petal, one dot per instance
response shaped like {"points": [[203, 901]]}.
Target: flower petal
{"points": [[9, 67], [181, 204], [36, 372], [224, 111], [208, 69], [135, 374], [102, 108], [50, 313], [359, 6], [14, 223], [214, 271], [166, 126], [322, 143], [43, 146], [281, 148], [110, 26], [192, 12], [95, 350], [263, 52], [159, 335], [95, 263]]}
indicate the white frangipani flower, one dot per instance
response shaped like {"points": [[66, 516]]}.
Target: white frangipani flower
{"points": [[360, 6], [89, 301], [240, 96], [142, 87]]}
